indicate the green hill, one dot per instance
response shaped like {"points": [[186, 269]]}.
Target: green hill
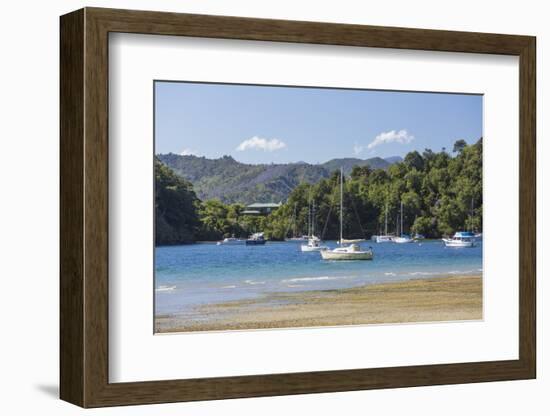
{"points": [[231, 181], [349, 163]]}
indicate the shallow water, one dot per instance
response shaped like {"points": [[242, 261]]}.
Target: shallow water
{"points": [[190, 275]]}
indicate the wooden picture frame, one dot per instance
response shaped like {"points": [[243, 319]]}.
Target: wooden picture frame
{"points": [[84, 207]]}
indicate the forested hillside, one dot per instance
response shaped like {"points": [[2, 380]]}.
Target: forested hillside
{"points": [[230, 181], [438, 191], [176, 208]]}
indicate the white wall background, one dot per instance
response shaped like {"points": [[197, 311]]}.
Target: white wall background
{"points": [[29, 158]]}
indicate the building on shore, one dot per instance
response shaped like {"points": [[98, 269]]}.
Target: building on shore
{"points": [[261, 208]]}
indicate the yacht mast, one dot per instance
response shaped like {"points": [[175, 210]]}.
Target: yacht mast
{"points": [[309, 218], [341, 203], [472, 215], [312, 218], [401, 217], [386, 221], [294, 220], [397, 225]]}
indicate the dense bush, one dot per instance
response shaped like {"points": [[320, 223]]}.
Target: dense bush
{"points": [[441, 193]]}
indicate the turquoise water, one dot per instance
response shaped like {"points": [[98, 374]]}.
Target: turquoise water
{"points": [[187, 276]]}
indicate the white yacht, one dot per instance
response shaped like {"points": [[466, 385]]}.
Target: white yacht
{"points": [[313, 242], [386, 238], [403, 238], [295, 237], [353, 251], [461, 239]]}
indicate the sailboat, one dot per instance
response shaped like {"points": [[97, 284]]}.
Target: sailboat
{"points": [[385, 238], [403, 238], [353, 251], [313, 242], [295, 237]]}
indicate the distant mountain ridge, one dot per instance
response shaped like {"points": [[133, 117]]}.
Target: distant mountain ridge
{"points": [[231, 181], [393, 159]]}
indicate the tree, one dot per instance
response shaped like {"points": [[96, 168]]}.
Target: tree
{"points": [[459, 146], [176, 219], [414, 160]]}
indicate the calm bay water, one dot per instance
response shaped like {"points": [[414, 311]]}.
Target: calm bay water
{"points": [[190, 275]]}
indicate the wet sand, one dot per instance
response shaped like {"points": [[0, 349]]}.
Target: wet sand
{"points": [[454, 298]]}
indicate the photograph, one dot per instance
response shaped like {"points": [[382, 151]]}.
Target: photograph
{"points": [[290, 206]]}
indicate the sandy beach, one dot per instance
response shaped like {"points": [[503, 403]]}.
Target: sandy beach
{"points": [[421, 300]]}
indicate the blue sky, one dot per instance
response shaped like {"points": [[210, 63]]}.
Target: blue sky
{"points": [[265, 124]]}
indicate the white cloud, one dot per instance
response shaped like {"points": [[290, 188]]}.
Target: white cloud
{"points": [[259, 143], [393, 136], [188, 152]]}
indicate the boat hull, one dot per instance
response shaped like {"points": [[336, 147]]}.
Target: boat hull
{"points": [[459, 244], [305, 248], [358, 255], [355, 241], [255, 242], [402, 240]]}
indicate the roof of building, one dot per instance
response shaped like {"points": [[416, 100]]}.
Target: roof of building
{"points": [[251, 211], [264, 205]]}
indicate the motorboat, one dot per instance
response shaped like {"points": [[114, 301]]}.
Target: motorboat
{"points": [[461, 239], [231, 241], [256, 239]]}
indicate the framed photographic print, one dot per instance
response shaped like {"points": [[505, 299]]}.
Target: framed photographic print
{"points": [[255, 207]]}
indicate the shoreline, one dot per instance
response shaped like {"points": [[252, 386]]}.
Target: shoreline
{"points": [[455, 298]]}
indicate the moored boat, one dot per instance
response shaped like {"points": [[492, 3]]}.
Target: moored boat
{"points": [[461, 239], [352, 241], [353, 251], [313, 244], [231, 241], [256, 239], [384, 238], [403, 238], [297, 239]]}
